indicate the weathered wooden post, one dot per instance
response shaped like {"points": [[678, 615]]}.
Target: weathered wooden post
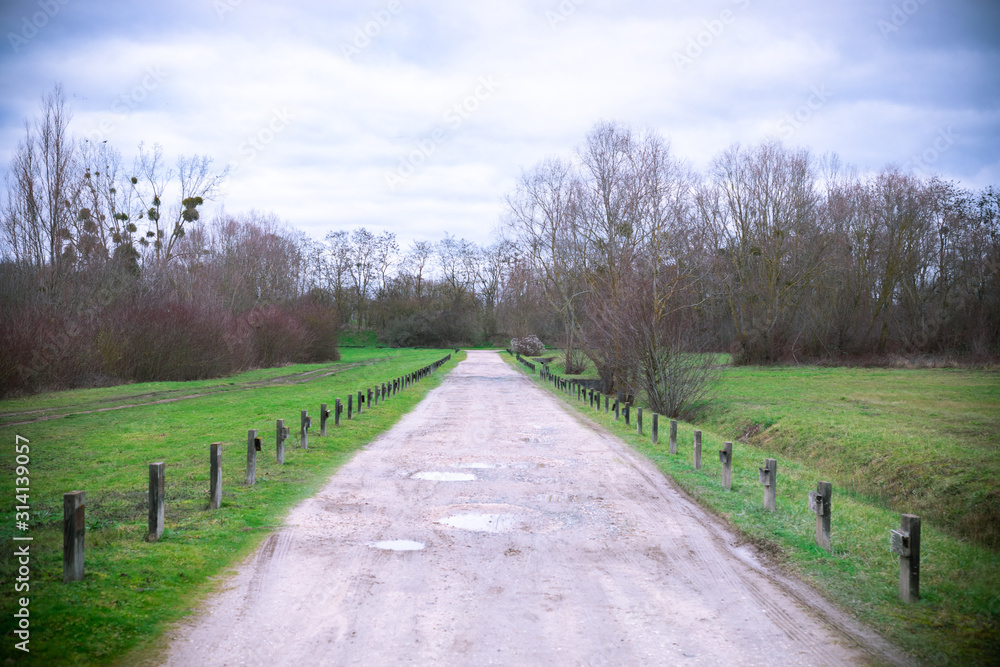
{"points": [[655, 430], [157, 487], [726, 459], [638, 421], [253, 446], [361, 399], [369, 395], [905, 542], [215, 476], [74, 531], [338, 408], [820, 503], [627, 410], [375, 396], [350, 403], [769, 478], [281, 434], [618, 408], [305, 423], [697, 450], [607, 403], [323, 415], [673, 436]]}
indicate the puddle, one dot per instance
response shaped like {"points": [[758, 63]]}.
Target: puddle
{"points": [[483, 523], [399, 545], [444, 476]]}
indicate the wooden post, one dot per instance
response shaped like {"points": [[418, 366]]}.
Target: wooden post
{"points": [[369, 397], [673, 436], [618, 408], [375, 404], [251, 457], [655, 431], [697, 450], [820, 503], [626, 410], [215, 479], [726, 459], [638, 421], [607, 403], [906, 543], [350, 403], [157, 487], [281, 435], [74, 531], [337, 409], [323, 414], [769, 478], [305, 423], [361, 399]]}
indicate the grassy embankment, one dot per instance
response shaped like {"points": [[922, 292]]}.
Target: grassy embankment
{"points": [[890, 441], [133, 589]]}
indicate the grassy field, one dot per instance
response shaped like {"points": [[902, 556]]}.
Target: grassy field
{"points": [[133, 589], [890, 441]]}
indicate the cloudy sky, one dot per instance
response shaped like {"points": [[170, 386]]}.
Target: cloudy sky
{"points": [[417, 117]]}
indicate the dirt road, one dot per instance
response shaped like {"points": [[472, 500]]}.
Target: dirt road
{"points": [[491, 526]]}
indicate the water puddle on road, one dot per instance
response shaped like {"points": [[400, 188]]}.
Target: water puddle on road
{"points": [[482, 523], [399, 545], [444, 476]]}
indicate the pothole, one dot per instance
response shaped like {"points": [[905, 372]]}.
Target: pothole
{"points": [[399, 545], [482, 523], [444, 476]]}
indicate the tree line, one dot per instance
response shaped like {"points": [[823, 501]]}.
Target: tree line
{"points": [[620, 252]]}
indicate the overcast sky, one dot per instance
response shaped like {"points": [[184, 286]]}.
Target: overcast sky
{"points": [[417, 117]]}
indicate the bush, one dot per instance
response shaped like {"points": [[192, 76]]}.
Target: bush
{"points": [[529, 346]]}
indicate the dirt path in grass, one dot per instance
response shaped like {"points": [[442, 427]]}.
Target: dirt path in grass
{"points": [[492, 526], [168, 396]]}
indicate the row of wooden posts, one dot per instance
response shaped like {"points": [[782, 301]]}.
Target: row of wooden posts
{"points": [[904, 542], [74, 502]]}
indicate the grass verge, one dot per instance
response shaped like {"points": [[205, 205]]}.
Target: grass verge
{"points": [[958, 617], [133, 589]]}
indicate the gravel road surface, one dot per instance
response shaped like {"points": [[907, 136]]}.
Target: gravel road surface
{"points": [[493, 526]]}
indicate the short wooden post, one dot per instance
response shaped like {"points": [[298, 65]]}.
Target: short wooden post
{"points": [[323, 414], [673, 436], [697, 450], [638, 421], [350, 404], [337, 409], [905, 542], [304, 425], [215, 477], [618, 409], [726, 459], [74, 531], [369, 397], [281, 434], [361, 399], [157, 487], [655, 430], [607, 403], [375, 404], [820, 502], [627, 410], [769, 478], [252, 444]]}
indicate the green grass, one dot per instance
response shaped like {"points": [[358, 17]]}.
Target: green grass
{"points": [[817, 423], [133, 589]]}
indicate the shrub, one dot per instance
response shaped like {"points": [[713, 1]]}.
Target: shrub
{"points": [[528, 346]]}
